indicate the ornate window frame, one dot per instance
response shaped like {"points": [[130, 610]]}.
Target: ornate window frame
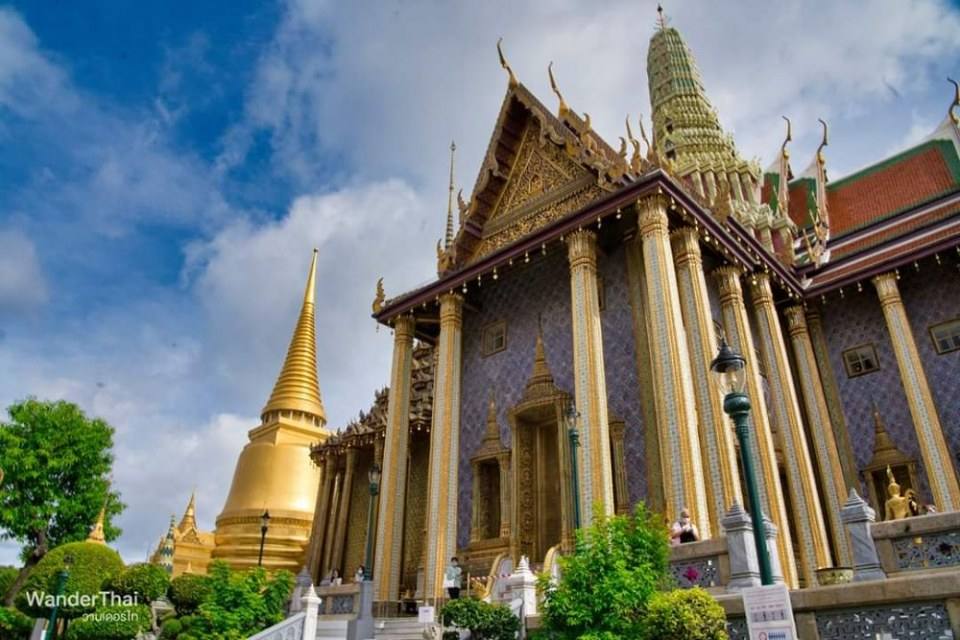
{"points": [[858, 352], [485, 348], [951, 325]]}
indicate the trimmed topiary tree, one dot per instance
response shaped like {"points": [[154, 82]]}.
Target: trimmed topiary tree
{"points": [[92, 567], [484, 620], [121, 622], [187, 592], [144, 582], [687, 614], [617, 565]]}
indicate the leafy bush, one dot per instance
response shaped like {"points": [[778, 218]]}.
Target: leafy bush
{"points": [[93, 566], [121, 622], [485, 621], [14, 625], [617, 565], [7, 576], [684, 614], [171, 629], [187, 592], [145, 582]]}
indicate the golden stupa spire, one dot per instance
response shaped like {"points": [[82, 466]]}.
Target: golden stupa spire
{"points": [[189, 520], [97, 535], [448, 237], [297, 387]]}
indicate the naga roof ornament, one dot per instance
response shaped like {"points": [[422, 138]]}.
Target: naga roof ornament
{"points": [[512, 79]]}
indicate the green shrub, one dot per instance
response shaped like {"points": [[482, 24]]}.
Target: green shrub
{"points": [[485, 621], [93, 566], [121, 622], [145, 582], [617, 565], [14, 625], [171, 629], [7, 577], [241, 603], [187, 592], [684, 614]]}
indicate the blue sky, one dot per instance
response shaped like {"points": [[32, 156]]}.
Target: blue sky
{"points": [[166, 168]]}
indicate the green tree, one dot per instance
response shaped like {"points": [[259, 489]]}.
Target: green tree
{"points": [[57, 464], [484, 620], [188, 591], [143, 581], [684, 614], [618, 564]]}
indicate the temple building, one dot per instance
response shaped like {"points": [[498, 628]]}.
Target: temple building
{"points": [[587, 286], [185, 548]]}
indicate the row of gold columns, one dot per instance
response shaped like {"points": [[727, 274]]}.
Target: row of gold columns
{"points": [[716, 435], [926, 422], [676, 413], [389, 541], [820, 429], [315, 550], [442, 486], [590, 387], [737, 328], [804, 495]]}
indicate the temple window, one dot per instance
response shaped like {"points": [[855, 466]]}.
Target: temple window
{"points": [[494, 338], [860, 360], [946, 336]]}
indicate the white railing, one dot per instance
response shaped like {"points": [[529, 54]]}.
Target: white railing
{"points": [[299, 626]]}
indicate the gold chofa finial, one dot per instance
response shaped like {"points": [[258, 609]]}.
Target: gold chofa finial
{"points": [[563, 109], [622, 152], [820, 158], [783, 147], [379, 297], [955, 105], [636, 160], [512, 81]]}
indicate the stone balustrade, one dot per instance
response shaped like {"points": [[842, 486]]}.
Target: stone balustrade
{"points": [[340, 601], [701, 564], [922, 543]]}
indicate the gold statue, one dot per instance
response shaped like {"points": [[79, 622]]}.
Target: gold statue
{"points": [[563, 109], [897, 507], [955, 104], [512, 82], [481, 587], [379, 298]]}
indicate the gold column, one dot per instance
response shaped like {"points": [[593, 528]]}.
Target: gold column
{"points": [[802, 484], [504, 460], [388, 555], [716, 435], [332, 516], [637, 289], [933, 448], [475, 505], [680, 461], [314, 555], [620, 494], [444, 447], [821, 431], [831, 393], [590, 383], [737, 329], [345, 492]]}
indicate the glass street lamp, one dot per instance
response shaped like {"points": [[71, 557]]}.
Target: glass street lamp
{"points": [[62, 578], [571, 419], [374, 477], [264, 525], [730, 368]]}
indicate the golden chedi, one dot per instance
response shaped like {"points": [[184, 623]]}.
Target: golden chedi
{"points": [[274, 472]]}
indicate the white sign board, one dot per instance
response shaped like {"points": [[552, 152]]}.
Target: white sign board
{"points": [[425, 615], [769, 613]]}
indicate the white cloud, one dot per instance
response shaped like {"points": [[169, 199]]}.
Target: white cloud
{"points": [[22, 283]]}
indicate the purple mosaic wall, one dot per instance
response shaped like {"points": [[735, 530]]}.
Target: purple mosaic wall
{"points": [[518, 297], [851, 322], [932, 296]]}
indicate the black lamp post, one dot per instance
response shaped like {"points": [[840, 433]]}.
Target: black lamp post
{"points": [[264, 525], [62, 578], [374, 477], [730, 367], [572, 418]]}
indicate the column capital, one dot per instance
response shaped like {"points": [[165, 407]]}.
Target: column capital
{"points": [[796, 319], [582, 248], [652, 215], [887, 289], [686, 246], [760, 290], [451, 308], [403, 327], [351, 457], [728, 281], [617, 430]]}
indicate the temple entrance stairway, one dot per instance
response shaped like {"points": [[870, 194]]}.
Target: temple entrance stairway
{"points": [[398, 629]]}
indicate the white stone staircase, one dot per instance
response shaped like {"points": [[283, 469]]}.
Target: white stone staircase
{"points": [[331, 629], [398, 629]]}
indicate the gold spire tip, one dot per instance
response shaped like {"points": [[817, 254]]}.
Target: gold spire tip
{"points": [[512, 79]]}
